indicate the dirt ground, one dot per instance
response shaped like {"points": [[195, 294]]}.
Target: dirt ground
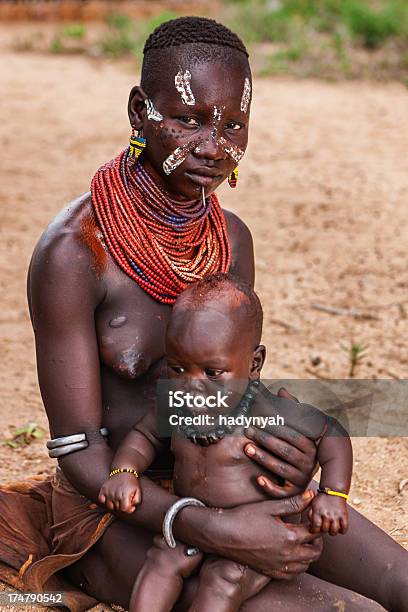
{"points": [[323, 189]]}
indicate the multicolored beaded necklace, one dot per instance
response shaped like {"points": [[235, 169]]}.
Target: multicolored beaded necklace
{"points": [[214, 435], [162, 244]]}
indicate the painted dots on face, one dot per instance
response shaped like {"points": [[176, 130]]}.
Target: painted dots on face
{"points": [[246, 95], [152, 113], [182, 81], [217, 118], [217, 113]]}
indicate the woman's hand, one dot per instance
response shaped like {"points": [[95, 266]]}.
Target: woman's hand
{"points": [[285, 453], [255, 535]]}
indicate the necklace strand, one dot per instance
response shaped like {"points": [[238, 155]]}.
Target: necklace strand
{"points": [[214, 435], [160, 243]]}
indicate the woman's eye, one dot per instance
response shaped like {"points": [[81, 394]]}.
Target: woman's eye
{"points": [[189, 121], [212, 373], [177, 369], [234, 126]]}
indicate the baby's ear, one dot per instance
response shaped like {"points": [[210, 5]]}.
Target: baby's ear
{"points": [[258, 359]]}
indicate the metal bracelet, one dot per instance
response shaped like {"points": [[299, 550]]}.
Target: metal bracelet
{"points": [[169, 520], [53, 453], [58, 447]]}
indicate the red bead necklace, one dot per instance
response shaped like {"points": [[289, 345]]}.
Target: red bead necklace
{"points": [[162, 244]]}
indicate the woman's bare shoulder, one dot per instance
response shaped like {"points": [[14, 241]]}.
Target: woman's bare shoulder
{"points": [[65, 252], [235, 225], [66, 226], [241, 246]]}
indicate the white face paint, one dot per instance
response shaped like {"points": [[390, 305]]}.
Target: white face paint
{"points": [[176, 158], [152, 113], [246, 95], [217, 113], [217, 116], [182, 83], [235, 152]]}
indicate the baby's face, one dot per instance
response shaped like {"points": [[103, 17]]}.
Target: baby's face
{"points": [[207, 351]]}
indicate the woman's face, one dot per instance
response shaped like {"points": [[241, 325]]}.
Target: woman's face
{"points": [[196, 127]]}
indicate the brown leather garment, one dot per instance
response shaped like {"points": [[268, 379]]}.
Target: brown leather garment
{"points": [[46, 525]]}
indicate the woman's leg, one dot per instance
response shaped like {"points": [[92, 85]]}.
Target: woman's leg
{"points": [[109, 569], [301, 594], [368, 561], [224, 585], [365, 560]]}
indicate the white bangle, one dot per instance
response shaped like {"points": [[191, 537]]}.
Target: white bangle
{"points": [[169, 520], [58, 447]]}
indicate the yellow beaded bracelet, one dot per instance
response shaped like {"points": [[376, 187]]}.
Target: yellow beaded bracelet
{"points": [[123, 471], [331, 492]]}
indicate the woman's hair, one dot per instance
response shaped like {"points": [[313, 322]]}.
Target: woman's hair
{"points": [[195, 40], [187, 30]]}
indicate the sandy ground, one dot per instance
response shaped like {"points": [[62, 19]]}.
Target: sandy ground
{"points": [[323, 189]]}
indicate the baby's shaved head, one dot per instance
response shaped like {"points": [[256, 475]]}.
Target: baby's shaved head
{"points": [[233, 294]]}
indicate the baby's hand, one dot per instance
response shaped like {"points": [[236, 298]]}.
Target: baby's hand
{"points": [[121, 492], [328, 514]]}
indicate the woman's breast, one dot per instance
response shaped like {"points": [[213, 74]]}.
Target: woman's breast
{"points": [[131, 336]]}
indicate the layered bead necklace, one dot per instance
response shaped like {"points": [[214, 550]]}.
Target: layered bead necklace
{"points": [[162, 244]]}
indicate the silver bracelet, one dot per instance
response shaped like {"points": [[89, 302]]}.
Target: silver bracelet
{"points": [[171, 514], [58, 447]]}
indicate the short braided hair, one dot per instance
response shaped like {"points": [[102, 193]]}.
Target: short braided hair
{"points": [[192, 40], [187, 30]]}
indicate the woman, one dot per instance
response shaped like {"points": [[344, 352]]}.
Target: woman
{"points": [[101, 283]]}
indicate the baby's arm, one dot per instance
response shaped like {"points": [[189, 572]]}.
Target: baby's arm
{"points": [[328, 512], [138, 449]]}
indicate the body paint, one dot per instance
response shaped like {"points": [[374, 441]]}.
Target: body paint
{"points": [[176, 158], [235, 152], [246, 95], [152, 113], [92, 237], [182, 83], [217, 116], [217, 113]]}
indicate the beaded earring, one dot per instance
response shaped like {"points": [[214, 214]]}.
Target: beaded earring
{"points": [[136, 146], [233, 178]]}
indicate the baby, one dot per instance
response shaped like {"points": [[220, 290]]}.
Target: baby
{"points": [[212, 343]]}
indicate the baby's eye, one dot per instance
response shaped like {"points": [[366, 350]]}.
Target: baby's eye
{"points": [[177, 369], [212, 372], [189, 121], [233, 125]]}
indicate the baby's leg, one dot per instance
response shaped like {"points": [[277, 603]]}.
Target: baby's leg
{"points": [[224, 585], [160, 581]]}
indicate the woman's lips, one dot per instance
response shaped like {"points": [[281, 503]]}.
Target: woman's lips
{"points": [[202, 179]]}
